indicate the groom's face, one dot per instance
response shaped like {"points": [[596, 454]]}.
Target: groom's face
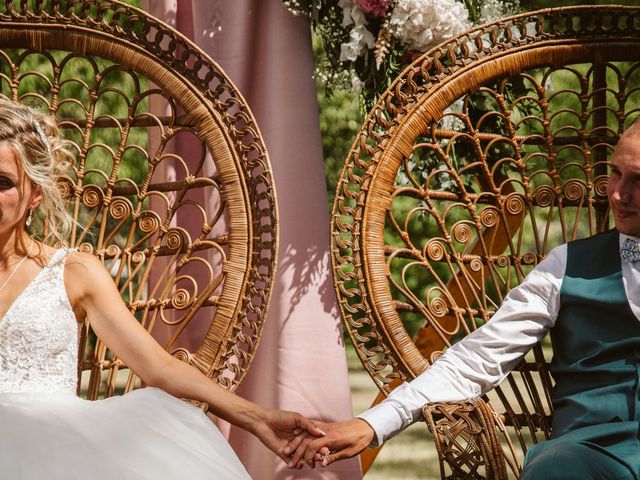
{"points": [[623, 188]]}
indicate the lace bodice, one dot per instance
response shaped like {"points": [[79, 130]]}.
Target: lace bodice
{"points": [[39, 336]]}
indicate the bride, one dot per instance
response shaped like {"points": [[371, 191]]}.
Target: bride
{"points": [[46, 431]]}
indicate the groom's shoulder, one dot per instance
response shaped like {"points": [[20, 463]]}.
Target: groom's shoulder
{"points": [[608, 236]]}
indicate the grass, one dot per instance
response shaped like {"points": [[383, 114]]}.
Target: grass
{"points": [[408, 456]]}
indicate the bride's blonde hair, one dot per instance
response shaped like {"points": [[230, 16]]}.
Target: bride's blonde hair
{"points": [[44, 157]]}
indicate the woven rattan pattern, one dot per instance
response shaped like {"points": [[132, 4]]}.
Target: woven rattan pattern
{"points": [[111, 74], [437, 217]]}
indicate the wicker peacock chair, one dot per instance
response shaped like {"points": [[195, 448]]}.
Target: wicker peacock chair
{"points": [[191, 242], [484, 154]]}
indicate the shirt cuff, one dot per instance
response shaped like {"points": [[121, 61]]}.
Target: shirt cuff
{"points": [[385, 421]]}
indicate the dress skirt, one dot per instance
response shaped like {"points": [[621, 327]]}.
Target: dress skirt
{"points": [[145, 434]]}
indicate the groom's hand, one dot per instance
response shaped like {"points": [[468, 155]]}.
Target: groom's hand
{"points": [[342, 440]]}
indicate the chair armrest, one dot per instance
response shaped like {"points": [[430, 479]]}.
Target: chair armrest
{"points": [[198, 404], [466, 437]]}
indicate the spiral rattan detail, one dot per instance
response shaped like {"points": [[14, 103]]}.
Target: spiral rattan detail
{"points": [[189, 240]]}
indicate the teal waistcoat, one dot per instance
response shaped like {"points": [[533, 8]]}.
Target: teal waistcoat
{"points": [[596, 342]]}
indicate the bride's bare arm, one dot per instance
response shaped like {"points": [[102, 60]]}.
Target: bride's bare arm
{"points": [[93, 294]]}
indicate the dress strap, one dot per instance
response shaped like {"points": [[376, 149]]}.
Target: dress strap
{"points": [[59, 257], [58, 261]]}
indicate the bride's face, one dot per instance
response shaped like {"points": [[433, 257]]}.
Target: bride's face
{"points": [[17, 194]]}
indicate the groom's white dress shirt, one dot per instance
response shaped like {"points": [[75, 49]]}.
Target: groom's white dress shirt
{"points": [[483, 359]]}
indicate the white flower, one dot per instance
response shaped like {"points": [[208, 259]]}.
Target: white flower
{"points": [[422, 24], [351, 14], [346, 5], [358, 16], [494, 9], [360, 39], [356, 84]]}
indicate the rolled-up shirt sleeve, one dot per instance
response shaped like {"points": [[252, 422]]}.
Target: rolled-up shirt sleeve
{"points": [[483, 358]]}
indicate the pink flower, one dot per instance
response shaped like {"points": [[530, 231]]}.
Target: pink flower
{"points": [[377, 8]]}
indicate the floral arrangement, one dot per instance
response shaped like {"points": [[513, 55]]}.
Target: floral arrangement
{"points": [[367, 42]]}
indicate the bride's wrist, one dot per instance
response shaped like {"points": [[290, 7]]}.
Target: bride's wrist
{"points": [[253, 418]]}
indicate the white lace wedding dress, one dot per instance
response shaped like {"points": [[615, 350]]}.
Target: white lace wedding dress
{"points": [[47, 432]]}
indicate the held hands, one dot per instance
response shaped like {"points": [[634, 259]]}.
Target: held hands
{"points": [[278, 428], [341, 440]]}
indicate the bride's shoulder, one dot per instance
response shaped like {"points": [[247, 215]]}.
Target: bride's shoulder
{"points": [[79, 262], [84, 268], [85, 279]]}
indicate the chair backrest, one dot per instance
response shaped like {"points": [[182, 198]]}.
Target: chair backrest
{"points": [[482, 155], [190, 238]]}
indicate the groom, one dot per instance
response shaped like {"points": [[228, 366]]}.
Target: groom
{"points": [[587, 293]]}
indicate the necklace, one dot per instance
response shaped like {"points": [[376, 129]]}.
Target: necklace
{"points": [[4, 284]]}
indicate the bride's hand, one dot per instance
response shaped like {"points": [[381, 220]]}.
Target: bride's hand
{"points": [[279, 427], [342, 440]]}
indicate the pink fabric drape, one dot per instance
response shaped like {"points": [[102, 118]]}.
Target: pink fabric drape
{"points": [[300, 364]]}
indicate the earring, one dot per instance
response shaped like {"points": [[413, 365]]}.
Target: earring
{"points": [[29, 218]]}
